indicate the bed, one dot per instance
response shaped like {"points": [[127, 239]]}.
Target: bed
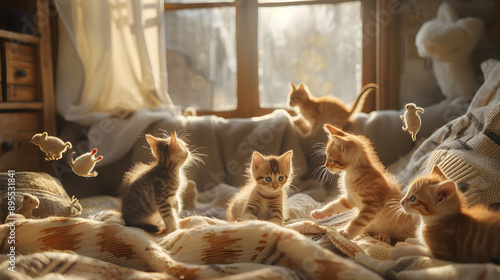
{"points": [[85, 239]]}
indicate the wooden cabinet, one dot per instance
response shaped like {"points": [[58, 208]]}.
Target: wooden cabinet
{"points": [[26, 77]]}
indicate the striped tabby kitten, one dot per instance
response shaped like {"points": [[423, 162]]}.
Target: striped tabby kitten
{"points": [[367, 186], [451, 230], [264, 196], [325, 109], [155, 188]]}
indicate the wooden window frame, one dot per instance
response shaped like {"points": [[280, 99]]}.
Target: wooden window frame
{"points": [[380, 53]]}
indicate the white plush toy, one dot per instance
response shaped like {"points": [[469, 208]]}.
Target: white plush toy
{"points": [[449, 41], [84, 164], [53, 147], [412, 120]]}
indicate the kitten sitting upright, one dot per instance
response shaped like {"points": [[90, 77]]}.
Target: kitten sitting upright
{"points": [[325, 109], [265, 194], [451, 230], [156, 187], [367, 186]]}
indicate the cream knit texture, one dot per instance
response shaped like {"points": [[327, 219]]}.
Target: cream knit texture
{"points": [[468, 152]]}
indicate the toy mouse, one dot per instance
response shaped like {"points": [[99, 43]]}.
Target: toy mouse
{"points": [[84, 164], [53, 147], [412, 120], [30, 202]]}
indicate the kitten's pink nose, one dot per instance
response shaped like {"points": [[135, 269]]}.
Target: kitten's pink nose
{"points": [[275, 186]]}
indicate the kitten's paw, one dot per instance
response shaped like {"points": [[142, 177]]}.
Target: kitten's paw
{"points": [[413, 241], [317, 214], [398, 252], [345, 234], [406, 251], [409, 242], [170, 229], [402, 244]]}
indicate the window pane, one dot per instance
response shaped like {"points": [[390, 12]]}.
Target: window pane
{"points": [[319, 45], [195, 1], [281, 1], [201, 58]]}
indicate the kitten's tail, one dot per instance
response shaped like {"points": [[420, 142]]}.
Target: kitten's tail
{"points": [[360, 98]]}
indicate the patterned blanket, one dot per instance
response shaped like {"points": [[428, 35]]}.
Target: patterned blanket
{"points": [[95, 244]]}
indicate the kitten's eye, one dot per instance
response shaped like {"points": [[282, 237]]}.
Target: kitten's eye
{"points": [[413, 198], [281, 178], [330, 161], [268, 179]]}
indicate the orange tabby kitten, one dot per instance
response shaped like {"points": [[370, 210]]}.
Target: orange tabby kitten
{"points": [[367, 186], [265, 194], [451, 230], [325, 109]]}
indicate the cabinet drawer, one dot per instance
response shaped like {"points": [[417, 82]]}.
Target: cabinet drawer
{"points": [[20, 122], [21, 93], [19, 52], [25, 158], [20, 72], [16, 151]]}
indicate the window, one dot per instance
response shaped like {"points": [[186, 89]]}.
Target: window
{"points": [[316, 44], [236, 58]]}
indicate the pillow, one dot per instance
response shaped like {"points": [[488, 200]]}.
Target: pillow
{"points": [[54, 201]]}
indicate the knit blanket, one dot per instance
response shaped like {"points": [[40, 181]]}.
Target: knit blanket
{"points": [[91, 242], [96, 245]]}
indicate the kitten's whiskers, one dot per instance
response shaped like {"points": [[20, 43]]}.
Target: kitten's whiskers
{"points": [[319, 151], [290, 192], [322, 175]]}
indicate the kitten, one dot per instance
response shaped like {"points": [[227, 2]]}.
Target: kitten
{"points": [[325, 109], [264, 196], [367, 186], [156, 187], [451, 230]]}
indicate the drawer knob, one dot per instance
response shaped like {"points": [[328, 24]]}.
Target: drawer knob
{"points": [[7, 145], [21, 73]]}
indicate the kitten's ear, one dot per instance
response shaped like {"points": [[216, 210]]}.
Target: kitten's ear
{"points": [[257, 160], [293, 86], [344, 143], [437, 171], [447, 13], [174, 144], [286, 159], [302, 86], [444, 190], [332, 130], [153, 143]]}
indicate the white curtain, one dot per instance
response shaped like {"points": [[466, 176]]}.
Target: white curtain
{"points": [[111, 62]]}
